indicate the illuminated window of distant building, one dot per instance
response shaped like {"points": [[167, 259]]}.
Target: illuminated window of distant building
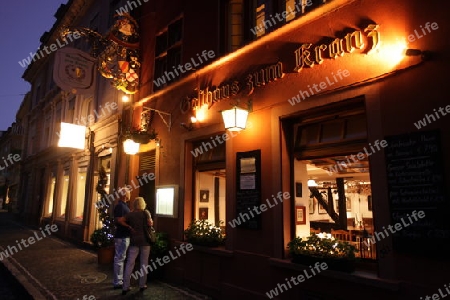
{"points": [[64, 195], [79, 197], [50, 194]]}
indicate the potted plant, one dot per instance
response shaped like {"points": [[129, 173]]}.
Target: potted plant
{"points": [[323, 247], [103, 238], [143, 136], [159, 249], [201, 232]]}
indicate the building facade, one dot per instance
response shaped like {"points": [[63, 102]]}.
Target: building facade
{"points": [[346, 131], [59, 183]]}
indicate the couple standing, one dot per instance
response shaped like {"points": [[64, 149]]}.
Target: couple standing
{"points": [[130, 234]]}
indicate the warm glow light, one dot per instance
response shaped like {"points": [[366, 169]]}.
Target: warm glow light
{"points": [[72, 136], [125, 98], [312, 182], [165, 201], [393, 53], [130, 147], [193, 119], [200, 113], [235, 119]]}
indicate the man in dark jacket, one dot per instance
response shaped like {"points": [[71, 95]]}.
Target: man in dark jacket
{"points": [[121, 237]]}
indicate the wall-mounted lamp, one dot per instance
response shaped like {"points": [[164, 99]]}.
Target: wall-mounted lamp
{"points": [[190, 125], [425, 55], [235, 119], [125, 98], [158, 142], [130, 147]]}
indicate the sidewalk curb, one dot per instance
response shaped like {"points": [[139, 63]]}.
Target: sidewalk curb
{"points": [[22, 279]]}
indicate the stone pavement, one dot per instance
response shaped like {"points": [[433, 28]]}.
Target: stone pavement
{"points": [[54, 269]]}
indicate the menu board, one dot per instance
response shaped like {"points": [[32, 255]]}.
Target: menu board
{"points": [[248, 188], [415, 175]]}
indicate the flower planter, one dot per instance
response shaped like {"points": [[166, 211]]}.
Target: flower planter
{"points": [[336, 264], [105, 255]]}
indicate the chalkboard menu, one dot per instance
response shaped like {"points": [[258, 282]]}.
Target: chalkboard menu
{"points": [[248, 188], [415, 176]]}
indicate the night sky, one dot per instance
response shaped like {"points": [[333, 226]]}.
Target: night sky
{"points": [[22, 22]]}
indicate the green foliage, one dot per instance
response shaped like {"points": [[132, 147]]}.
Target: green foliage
{"points": [[161, 246], [201, 232], [101, 238], [321, 247]]}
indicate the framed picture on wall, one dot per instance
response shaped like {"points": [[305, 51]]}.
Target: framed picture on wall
{"points": [[204, 195], [300, 215], [321, 209], [203, 213], [311, 205], [348, 203], [298, 189]]}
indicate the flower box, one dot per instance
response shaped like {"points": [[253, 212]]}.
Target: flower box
{"points": [[322, 247]]}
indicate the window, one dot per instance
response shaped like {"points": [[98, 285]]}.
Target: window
{"points": [[340, 201], [64, 195], [210, 196], [168, 55], [260, 18], [210, 182], [79, 197], [333, 177], [249, 20], [50, 194]]}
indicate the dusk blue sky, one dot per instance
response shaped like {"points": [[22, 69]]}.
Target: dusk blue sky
{"points": [[22, 22]]}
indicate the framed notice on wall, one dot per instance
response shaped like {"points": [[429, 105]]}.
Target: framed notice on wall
{"points": [[248, 187], [300, 215]]}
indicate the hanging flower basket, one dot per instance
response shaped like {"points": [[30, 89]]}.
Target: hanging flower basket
{"points": [[143, 137]]}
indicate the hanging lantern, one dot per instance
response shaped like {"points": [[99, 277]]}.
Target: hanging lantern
{"points": [[235, 119], [130, 147]]}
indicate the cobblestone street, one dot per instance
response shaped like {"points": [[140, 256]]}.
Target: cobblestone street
{"points": [[55, 269]]}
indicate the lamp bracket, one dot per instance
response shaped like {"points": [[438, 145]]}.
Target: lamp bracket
{"points": [[162, 115], [249, 103]]}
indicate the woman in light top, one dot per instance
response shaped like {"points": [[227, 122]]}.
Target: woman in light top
{"points": [[136, 222]]}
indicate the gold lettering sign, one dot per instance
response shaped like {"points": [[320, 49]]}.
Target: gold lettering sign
{"points": [[306, 56], [210, 97]]}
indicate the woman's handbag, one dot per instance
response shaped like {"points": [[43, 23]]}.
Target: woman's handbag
{"points": [[149, 231]]}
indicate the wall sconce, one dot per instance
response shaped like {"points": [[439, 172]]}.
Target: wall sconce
{"points": [[425, 55], [189, 126], [130, 147], [235, 119]]}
